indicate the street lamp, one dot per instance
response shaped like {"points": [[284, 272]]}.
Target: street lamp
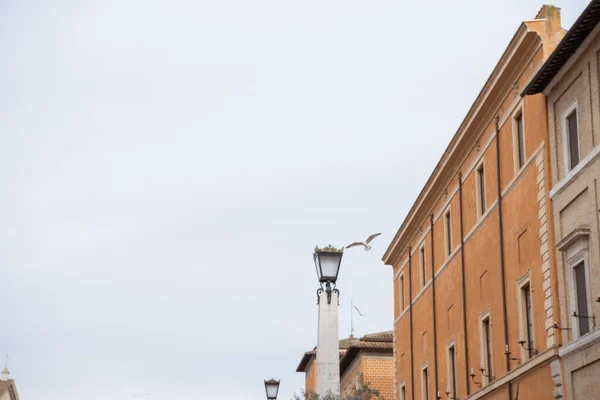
{"points": [[327, 263], [272, 388]]}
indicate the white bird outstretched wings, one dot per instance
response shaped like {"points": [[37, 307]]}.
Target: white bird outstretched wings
{"points": [[373, 236], [355, 244]]}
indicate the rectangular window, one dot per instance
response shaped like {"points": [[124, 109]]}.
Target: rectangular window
{"points": [[425, 384], [423, 267], [573, 135], [452, 372], [528, 320], [520, 153], [481, 189], [487, 348], [581, 298], [448, 233], [401, 293], [403, 393]]}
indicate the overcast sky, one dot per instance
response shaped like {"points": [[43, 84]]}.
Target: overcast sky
{"points": [[168, 167]]}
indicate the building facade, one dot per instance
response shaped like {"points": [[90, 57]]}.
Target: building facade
{"points": [[570, 80], [474, 272], [369, 359], [308, 364]]}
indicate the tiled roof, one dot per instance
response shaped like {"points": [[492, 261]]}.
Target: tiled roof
{"points": [[387, 336], [569, 44], [375, 339], [371, 345], [379, 345], [309, 356], [347, 342]]}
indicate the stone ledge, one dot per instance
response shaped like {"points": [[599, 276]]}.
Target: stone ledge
{"points": [[575, 172], [581, 343]]}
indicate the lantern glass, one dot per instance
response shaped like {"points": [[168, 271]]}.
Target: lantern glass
{"points": [[328, 265], [272, 388]]}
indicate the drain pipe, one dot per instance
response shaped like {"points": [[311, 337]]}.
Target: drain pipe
{"points": [[435, 360], [462, 268], [501, 237], [412, 364]]}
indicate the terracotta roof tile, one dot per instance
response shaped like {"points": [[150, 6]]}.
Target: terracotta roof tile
{"points": [[387, 336]]}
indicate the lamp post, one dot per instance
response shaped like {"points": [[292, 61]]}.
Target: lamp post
{"points": [[327, 263], [272, 388]]}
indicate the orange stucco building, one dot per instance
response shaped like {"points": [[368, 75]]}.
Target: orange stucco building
{"points": [[484, 326]]}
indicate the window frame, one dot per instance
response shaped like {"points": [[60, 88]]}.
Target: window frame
{"points": [[402, 294], [480, 188], [403, 391], [574, 247], [523, 283], [519, 114], [576, 306], [448, 232], [424, 381], [423, 266], [486, 357], [452, 383], [573, 108]]}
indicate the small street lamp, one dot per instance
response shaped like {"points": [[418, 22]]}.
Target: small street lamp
{"points": [[272, 388], [327, 263]]}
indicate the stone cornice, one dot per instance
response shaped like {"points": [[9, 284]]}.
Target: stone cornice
{"points": [[581, 343], [572, 237]]}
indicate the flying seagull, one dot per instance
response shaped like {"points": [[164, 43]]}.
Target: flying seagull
{"points": [[366, 244]]}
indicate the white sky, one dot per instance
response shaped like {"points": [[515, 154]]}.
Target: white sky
{"points": [[168, 167]]}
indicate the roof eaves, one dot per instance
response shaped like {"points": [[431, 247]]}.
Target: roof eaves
{"points": [[306, 358], [569, 44]]}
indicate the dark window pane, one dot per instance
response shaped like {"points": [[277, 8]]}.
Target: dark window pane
{"points": [[423, 267], [582, 300], [481, 188], [488, 347], [448, 234], [520, 141], [528, 319], [452, 370], [573, 140], [401, 293], [425, 384]]}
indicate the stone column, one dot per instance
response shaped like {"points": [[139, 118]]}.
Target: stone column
{"points": [[328, 347]]}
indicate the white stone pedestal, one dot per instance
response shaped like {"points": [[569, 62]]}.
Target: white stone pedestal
{"points": [[328, 347]]}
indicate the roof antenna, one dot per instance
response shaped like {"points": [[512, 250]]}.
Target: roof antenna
{"points": [[352, 308]]}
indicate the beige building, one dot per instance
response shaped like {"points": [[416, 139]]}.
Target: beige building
{"points": [[570, 80]]}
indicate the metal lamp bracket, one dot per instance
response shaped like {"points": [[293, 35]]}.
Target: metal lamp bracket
{"points": [[328, 289]]}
